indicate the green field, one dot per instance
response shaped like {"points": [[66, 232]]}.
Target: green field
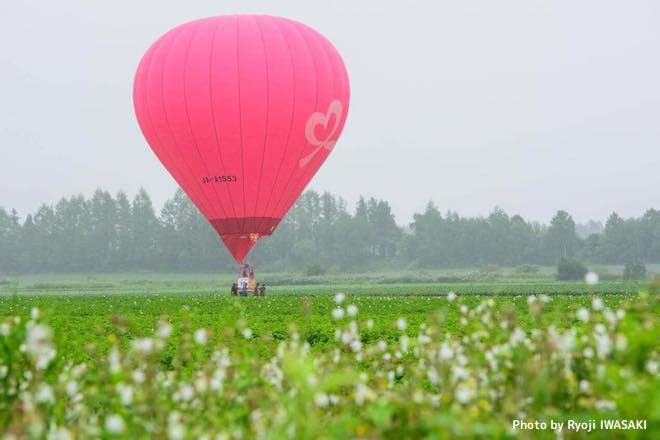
{"points": [[152, 355]]}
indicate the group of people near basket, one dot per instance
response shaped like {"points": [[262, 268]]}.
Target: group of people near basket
{"points": [[246, 283], [243, 290]]}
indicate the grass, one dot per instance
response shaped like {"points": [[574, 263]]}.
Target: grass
{"points": [[401, 283]]}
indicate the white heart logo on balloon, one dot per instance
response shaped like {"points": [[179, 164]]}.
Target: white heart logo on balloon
{"points": [[322, 119]]}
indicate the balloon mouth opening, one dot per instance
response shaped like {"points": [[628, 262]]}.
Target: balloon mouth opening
{"points": [[240, 245], [241, 234]]}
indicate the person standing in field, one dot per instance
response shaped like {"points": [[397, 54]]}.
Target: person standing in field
{"points": [[243, 285]]}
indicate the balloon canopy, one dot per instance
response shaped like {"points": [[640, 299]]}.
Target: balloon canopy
{"points": [[242, 110]]}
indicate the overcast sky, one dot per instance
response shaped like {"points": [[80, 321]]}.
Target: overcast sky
{"points": [[532, 106]]}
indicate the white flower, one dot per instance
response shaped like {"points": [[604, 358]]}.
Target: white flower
{"points": [[44, 394], [321, 400], [423, 339], [339, 298], [370, 323], [34, 313], [432, 375], [247, 333], [446, 353], [464, 393], [603, 345], [588, 352], [584, 386], [71, 388], [531, 299], [652, 367], [38, 345], [404, 343], [362, 393], [597, 303], [164, 330], [591, 278], [607, 405], [115, 424], [143, 345], [114, 360], [217, 379], [125, 393], [273, 374], [351, 310], [176, 431], [201, 383], [59, 433], [3, 371], [201, 336], [186, 392], [401, 324], [346, 338], [458, 373], [338, 313], [356, 346], [518, 336], [582, 314], [451, 296], [382, 345], [138, 376], [4, 329]]}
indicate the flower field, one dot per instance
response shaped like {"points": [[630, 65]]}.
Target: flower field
{"points": [[310, 363]]}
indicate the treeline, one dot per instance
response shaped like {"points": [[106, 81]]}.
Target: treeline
{"points": [[113, 233]]}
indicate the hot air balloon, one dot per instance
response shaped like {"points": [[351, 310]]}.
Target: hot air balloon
{"points": [[242, 110]]}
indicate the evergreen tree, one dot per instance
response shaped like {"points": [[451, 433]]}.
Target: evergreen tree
{"points": [[46, 255], [426, 246], [103, 230], [144, 227], [613, 240], [560, 239], [9, 246], [123, 244]]}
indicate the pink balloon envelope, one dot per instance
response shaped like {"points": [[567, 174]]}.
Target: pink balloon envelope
{"points": [[242, 110]]}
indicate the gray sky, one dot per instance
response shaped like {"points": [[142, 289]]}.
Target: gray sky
{"points": [[529, 105]]}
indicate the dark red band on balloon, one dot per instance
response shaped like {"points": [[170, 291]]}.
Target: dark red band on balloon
{"points": [[245, 225]]}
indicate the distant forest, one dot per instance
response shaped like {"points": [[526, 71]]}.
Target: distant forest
{"points": [[106, 233]]}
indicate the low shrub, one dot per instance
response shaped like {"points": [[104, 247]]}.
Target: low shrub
{"points": [[571, 269], [527, 268], [314, 270], [634, 270]]}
